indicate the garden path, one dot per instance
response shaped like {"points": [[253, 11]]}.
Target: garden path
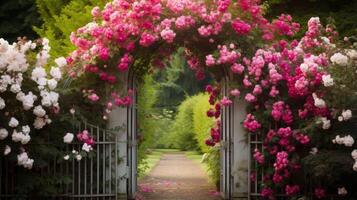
{"points": [[176, 177]]}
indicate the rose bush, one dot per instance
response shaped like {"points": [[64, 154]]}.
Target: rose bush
{"points": [[28, 96], [290, 85]]}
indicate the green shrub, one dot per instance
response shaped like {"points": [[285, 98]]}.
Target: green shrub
{"points": [[182, 129], [212, 160], [201, 123], [60, 18], [146, 99]]}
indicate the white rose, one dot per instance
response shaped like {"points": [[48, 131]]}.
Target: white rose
{"points": [[348, 141], [29, 164], [13, 122], [3, 88], [326, 124], [327, 80], [340, 118], [26, 129], [39, 111], [314, 151], [20, 96], [16, 136], [304, 67], [320, 103], [39, 123], [346, 114], [4, 45], [66, 157], [46, 101], [7, 150], [87, 147], [68, 138], [15, 88], [25, 139], [3, 133], [28, 100], [354, 154], [54, 97], [2, 103], [42, 82], [56, 73], [22, 158], [61, 61], [38, 73], [78, 157], [52, 84], [339, 59], [352, 53], [342, 191]]}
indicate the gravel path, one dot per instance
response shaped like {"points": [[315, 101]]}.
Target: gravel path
{"points": [[175, 177]]}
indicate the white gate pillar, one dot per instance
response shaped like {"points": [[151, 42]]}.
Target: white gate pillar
{"points": [[123, 120], [240, 151], [234, 149]]}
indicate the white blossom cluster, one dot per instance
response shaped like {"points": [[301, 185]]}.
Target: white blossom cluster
{"points": [[326, 124], [318, 102], [14, 68], [339, 59], [345, 115], [348, 140], [68, 138]]}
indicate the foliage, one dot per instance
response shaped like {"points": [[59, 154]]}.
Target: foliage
{"points": [[176, 81], [60, 18], [17, 17], [341, 13], [212, 160], [146, 123], [202, 124], [183, 126], [162, 134], [292, 99], [151, 159]]}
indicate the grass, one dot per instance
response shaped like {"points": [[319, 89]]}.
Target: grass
{"points": [[150, 162]]}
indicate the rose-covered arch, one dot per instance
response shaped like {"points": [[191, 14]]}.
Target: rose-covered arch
{"points": [[284, 81]]}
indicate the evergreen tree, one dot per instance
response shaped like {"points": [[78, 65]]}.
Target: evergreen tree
{"points": [[61, 17], [17, 18], [342, 13]]}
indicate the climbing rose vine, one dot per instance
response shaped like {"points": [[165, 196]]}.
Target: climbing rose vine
{"points": [[287, 84]]}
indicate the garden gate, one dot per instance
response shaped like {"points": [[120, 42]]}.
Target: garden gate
{"points": [[109, 174], [112, 172]]}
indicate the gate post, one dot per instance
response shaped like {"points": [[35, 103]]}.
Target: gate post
{"points": [[124, 120], [240, 164], [235, 152]]}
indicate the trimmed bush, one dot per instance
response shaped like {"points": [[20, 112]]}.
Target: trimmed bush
{"points": [[201, 123], [182, 129]]}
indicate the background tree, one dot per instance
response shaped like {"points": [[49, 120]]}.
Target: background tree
{"points": [[17, 18], [343, 13]]}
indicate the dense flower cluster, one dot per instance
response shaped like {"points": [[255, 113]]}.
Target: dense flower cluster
{"points": [[289, 80], [35, 103], [82, 137]]}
